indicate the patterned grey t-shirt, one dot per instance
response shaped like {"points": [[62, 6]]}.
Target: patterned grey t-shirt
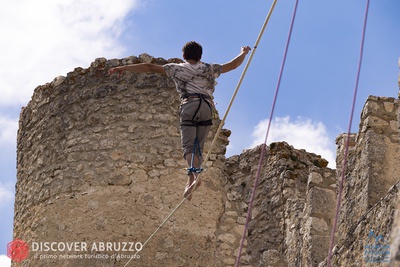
{"points": [[196, 78]]}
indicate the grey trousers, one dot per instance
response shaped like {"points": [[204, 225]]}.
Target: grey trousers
{"points": [[190, 133]]}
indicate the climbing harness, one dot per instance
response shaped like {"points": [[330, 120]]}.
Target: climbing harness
{"points": [[193, 122], [344, 163], [218, 130], [263, 148]]}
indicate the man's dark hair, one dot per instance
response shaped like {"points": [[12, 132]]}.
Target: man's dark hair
{"points": [[192, 50]]}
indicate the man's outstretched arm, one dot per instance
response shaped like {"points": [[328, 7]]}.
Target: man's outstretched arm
{"points": [[237, 61], [141, 67]]}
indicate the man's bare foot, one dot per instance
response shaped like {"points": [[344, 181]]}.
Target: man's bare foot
{"points": [[188, 187], [197, 183], [193, 186]]}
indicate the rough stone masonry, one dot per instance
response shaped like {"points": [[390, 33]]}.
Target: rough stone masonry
{"points": [[100, 166]]}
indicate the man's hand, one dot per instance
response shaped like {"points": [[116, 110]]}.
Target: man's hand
{"points": [[246, 49]]}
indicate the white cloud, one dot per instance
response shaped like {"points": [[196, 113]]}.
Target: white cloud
{"points": [[45, 39], [8, 131], [5, 261], [302, 134], [6, 194]]}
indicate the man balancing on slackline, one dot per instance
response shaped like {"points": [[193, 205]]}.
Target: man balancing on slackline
{"points": [[195, 81]]}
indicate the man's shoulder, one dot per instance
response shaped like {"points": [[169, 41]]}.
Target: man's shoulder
{"points": [[210, 64], [174, 65], [214, 67]]}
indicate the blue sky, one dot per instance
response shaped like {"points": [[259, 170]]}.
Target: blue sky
{"points": [[42, 41]]}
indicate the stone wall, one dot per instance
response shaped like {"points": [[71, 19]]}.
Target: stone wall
{"points": [[99, 160], [371, 185]]}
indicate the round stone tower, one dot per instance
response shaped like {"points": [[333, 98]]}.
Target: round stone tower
{"points": [[100, 167]]}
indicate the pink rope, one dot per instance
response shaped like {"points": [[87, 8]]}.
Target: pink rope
{"points": [[263, 148], [348, 139]]}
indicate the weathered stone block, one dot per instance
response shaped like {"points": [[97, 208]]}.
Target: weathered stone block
{"points": [[321, 201]]}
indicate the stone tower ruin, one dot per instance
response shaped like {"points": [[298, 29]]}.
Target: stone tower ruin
{"points": [[99, 160]]}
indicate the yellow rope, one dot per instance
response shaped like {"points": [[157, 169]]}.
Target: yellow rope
{"points": [[239, 83], [219, 128]]}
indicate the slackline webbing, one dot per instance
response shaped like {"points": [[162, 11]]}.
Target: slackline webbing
{"points": [[263, 147], [344, 163]]}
